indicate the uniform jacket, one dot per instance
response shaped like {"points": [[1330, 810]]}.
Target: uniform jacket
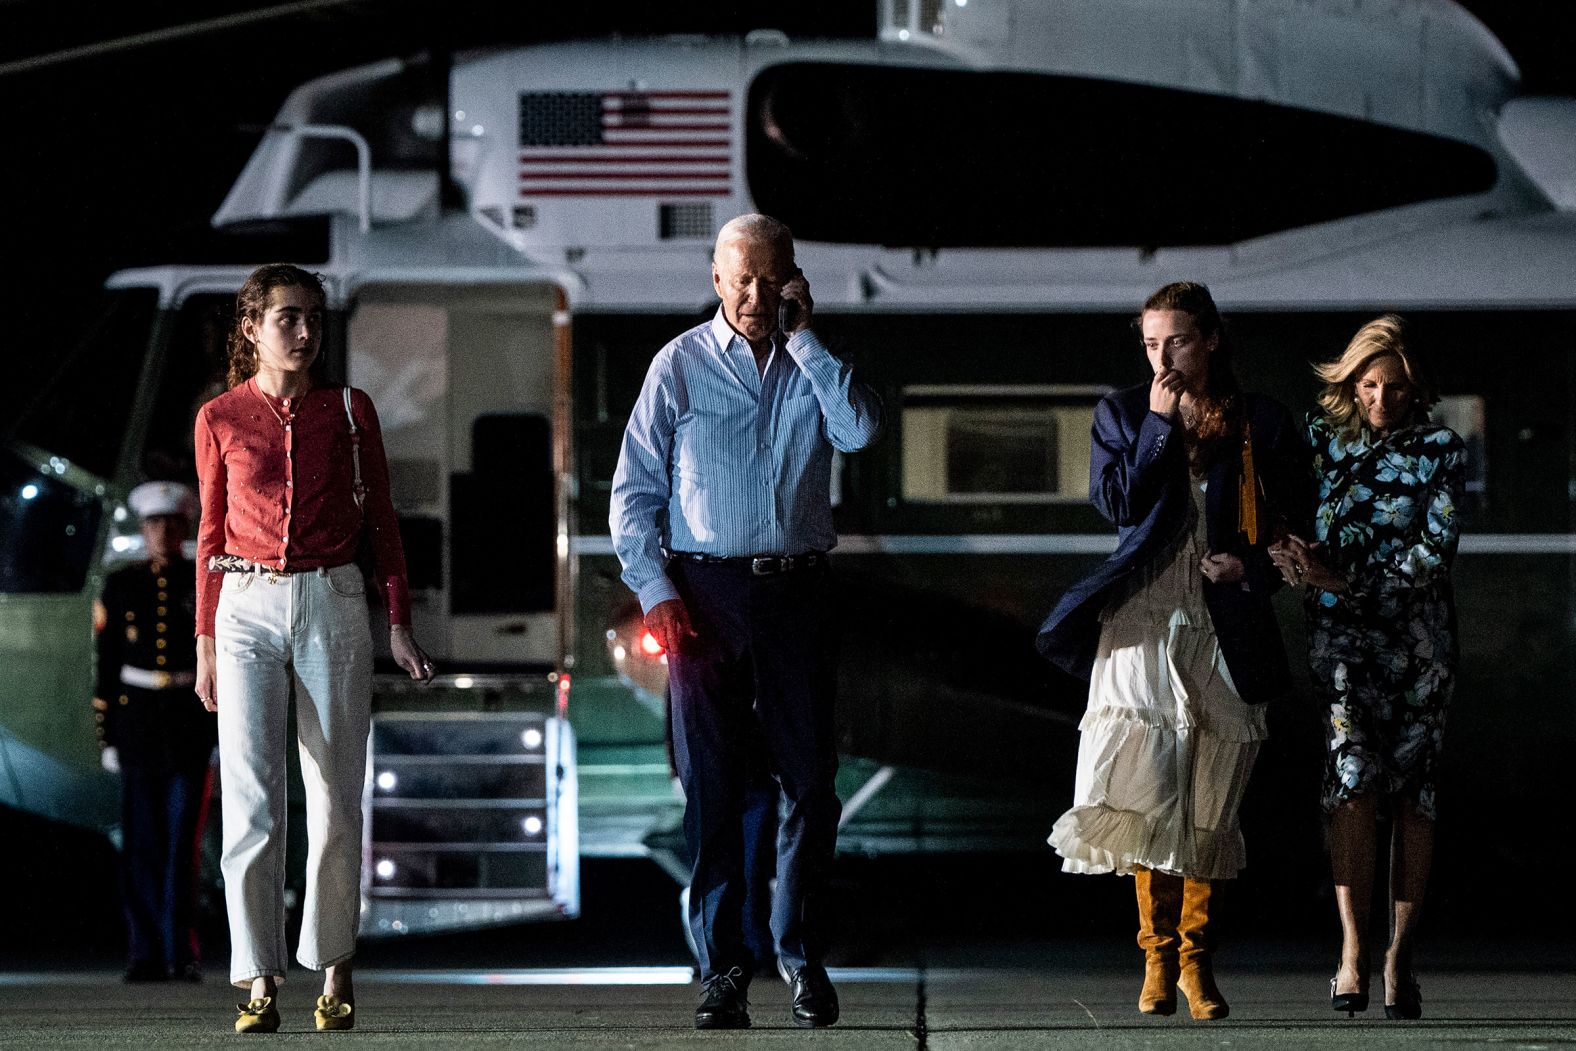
{"points": [[1138, 478], [149, 616]]}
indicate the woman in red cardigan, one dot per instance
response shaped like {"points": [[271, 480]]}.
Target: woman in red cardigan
{"points": [[292, 476]]}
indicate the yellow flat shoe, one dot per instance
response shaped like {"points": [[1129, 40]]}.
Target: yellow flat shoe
{"points": [[257, 1016], [334, 1013]]}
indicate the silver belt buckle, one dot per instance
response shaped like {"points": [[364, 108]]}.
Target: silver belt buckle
{"points": [[767, 565]]}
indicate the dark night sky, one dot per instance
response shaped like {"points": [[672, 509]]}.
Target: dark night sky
{"points": [[119, 159]]}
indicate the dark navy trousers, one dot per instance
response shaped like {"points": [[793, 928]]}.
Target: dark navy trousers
{"points": [[760, 672], [161, 819]]}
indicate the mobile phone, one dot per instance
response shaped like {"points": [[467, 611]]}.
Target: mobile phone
{"points": [[787, 315], [788, 310]]}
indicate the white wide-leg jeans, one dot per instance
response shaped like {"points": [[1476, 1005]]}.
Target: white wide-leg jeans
{"points": [[311, 630]]}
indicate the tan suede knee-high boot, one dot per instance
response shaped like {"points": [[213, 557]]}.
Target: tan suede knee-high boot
{"points": [[1159, 914], [1197, 979]]}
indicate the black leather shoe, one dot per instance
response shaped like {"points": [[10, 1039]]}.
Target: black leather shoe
{"points": [[1408, 1004], [1351, 1003], [814, 999], [723, 1004]]}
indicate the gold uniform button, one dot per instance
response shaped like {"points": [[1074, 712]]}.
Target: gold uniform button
{"points": [[163, 597], [130, 615], [98, 717], [160, 658], [163, 583], [161, 629], [162, 612], [124, 699], [161, 643]]}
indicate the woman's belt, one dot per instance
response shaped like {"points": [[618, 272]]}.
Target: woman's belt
{"points": [[237, 564], [151, 679]]}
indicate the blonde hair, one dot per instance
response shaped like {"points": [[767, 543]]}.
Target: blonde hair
{"points": [[1383, 337]]}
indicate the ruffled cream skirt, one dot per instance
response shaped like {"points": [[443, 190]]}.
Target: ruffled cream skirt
{"points": [[1166, 749]]}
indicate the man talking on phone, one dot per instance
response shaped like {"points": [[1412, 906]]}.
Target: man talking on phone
{"points": [[721, 516]]}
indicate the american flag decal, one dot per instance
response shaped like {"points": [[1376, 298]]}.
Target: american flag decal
{"points": [[625, 144]]}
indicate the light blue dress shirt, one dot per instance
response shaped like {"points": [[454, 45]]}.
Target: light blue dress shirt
{"points": [[722, 459]]}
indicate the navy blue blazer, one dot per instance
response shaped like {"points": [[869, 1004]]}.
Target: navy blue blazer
{"points": [[1138, 478]]}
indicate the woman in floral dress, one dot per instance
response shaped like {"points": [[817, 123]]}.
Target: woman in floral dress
{"points": [[1381, 634]]}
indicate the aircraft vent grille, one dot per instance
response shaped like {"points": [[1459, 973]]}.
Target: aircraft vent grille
{"points": [[691, 220]]}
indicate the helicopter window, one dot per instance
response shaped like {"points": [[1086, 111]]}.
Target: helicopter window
{"points": [[930, 158], [1463, 413], [996, 445], [81, 414], [194, 372]]}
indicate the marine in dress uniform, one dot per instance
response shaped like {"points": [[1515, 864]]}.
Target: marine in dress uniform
{"points": [[155, 734]]}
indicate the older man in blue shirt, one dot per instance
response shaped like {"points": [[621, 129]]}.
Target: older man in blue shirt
{"points": [[721, 516]]}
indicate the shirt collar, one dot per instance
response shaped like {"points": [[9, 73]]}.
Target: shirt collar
{"points": [[724, 335], [723, 332]]}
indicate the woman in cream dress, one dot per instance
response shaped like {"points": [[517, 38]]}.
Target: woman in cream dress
{"points": [[1177, 637]]}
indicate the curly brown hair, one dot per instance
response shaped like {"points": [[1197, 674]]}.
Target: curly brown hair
{"points": [[1218, 423], [252, 302]]}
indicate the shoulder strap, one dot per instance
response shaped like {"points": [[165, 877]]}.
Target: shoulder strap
{"points": [[358, 490], [1248, 496]]}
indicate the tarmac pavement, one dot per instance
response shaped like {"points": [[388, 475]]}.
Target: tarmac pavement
{"points": [[943, 1009]]}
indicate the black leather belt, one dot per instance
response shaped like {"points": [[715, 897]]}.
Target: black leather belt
{"points": [[759, 565]]}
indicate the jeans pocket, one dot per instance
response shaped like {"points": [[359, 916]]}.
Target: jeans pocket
{"points": [[346, 581]]}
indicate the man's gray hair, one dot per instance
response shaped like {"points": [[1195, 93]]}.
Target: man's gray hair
{"points": [[761, 229]]}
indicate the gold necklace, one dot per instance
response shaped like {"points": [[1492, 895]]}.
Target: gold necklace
{"points": [[258, 390]]}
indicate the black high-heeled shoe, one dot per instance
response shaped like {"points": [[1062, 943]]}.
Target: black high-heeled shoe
{"points": [[1351, 1003], [1408, 1004]]}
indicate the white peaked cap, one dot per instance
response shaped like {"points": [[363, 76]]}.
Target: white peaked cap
{"points": [[162, 498]]}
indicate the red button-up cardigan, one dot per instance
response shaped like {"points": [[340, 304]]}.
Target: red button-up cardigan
{"points": [[277, 488]]}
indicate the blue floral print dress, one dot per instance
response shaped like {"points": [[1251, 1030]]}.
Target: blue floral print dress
{"points": [[1384, 655]]}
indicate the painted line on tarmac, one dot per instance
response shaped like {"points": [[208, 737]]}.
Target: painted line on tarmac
{"points": [[1094, 544], [502, 977], [534, 976], [604, 976]]}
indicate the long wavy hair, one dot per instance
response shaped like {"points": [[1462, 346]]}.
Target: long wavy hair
{"points": [[1218, 423], [252, 302], [1384, 336]]}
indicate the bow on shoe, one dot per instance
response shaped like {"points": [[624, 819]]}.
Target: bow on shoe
{"points": [[333, 1013], [258, 1015]]}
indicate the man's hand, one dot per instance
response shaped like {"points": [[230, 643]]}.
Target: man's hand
{"points": [[1165, 393], [1222, 569], [207, 679], [669, 621], [109, 759]]}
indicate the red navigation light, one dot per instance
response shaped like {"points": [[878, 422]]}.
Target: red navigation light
{"points": [[649, 645]]}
